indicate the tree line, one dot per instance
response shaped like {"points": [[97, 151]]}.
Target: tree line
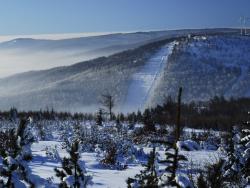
{"points": [[218, 113]]}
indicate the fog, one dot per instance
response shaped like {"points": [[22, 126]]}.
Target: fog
{"points": [[12, 62], [37, 52], [58, 36]]}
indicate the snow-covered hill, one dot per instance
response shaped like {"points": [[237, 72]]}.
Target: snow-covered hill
{"points": [[207, 66], [204, 65], [77, 87], [25, 54]]}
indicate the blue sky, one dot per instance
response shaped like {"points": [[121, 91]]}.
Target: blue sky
{"points": [[19, 17]]}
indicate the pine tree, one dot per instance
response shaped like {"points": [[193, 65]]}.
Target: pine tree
{"points": [[148, 177], [73, 172], [41, 132], [245, 141], [13, 114], [77, 132], [237, 167], [148, 121], [201, 181], [118, 126], [214, 175], [139, 116], [111, 154], [172, 152], [233, 164], [99, 117], [16, 154]]}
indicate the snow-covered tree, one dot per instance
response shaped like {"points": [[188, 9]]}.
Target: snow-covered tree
{"points": [[13, 114], [52, 153], [172, 152], [148, 177], [118, 126], [73, 173], [16, 153], [245, 141], [237, 167], [201, 182], [214, 177], [234, 163], [41, 131], [78, 132], [110, 157]]}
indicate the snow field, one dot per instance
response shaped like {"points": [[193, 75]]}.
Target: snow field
{"points": [[43, 167]]}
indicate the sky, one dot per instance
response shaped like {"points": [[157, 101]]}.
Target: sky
{"points": [[32, 17]]}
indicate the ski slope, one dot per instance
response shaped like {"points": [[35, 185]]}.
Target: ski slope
{"points": [[142, 82]]}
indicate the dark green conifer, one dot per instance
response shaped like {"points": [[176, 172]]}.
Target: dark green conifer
{"points": [[172, 152], [148, 177], [72, 173]]}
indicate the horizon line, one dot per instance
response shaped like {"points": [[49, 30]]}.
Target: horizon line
{"points": [[61, 36]]}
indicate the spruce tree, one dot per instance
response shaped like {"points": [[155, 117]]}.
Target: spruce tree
{"points": [[16, 153], [245, 141], [172, 152], [201, 181], [233, 164], [110, 158], [148, 177], [148, 121], [237, 167], [214, 175], [73, 172], [77, 132], [118, 126], [13, 114], [99, 117]]}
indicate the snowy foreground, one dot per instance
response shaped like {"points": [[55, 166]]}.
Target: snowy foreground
{"points": [[43, 166], [48, 154]]}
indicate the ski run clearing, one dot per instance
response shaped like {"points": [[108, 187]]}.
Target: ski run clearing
{"points": [[142, 82]]}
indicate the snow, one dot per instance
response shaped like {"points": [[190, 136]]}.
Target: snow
{"points": [[230, 52], [47, 155], [183, 181], [43, 166], [107, 177], [145, 78], [188, 145]]}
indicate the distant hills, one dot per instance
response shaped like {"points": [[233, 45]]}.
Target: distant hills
{"points": [[206, 63]]}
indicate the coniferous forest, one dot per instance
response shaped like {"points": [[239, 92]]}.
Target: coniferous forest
{"points": [[179, 135]]}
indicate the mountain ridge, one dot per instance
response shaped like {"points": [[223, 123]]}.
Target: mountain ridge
{"points": [[78, 87]]}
